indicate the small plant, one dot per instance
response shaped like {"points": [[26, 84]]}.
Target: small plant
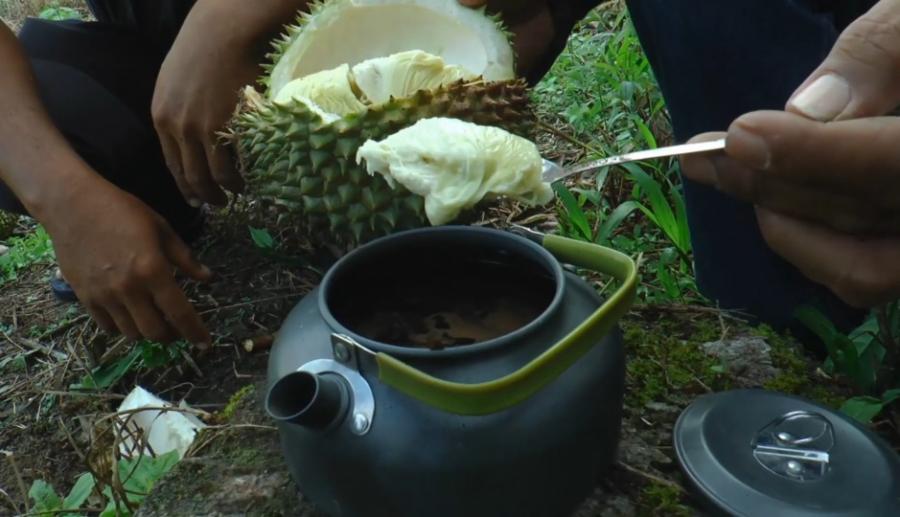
{"points": [[867, 357], [144, 354], [583, 216], [587, 215], [54, 11], [138, 477], [671, 219], [34, 248], [269, 247], [660, 499], [48, 503]]}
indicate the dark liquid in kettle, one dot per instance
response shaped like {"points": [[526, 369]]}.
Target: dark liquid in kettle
{"points": [[439, 306]]}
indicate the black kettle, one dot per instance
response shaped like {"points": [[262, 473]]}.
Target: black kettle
{"points": [[454, 371]]}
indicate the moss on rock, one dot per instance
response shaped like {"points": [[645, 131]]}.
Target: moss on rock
{"points": [[798, 371], [667, 363], [659, 499]]}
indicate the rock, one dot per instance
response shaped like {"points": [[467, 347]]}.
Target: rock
{"points": [[747, 359], [3, 250], [617, 505], [604, 504], [637, 453]]}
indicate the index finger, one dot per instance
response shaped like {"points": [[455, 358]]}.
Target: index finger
{"points": [[172, 302], [860, 155]]}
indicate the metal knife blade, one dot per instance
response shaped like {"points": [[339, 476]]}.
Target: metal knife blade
{"points": [[553, 172]]}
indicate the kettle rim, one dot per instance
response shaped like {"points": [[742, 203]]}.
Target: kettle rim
{"points": [[538, 254]]}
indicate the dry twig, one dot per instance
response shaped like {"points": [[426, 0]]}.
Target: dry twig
{"points": [[18, 473], [651, 477]]}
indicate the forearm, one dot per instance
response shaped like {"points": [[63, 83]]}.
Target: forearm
{"points": [[34, 155]]}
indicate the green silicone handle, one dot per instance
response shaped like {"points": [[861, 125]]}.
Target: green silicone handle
{"points": [[496, 395]]}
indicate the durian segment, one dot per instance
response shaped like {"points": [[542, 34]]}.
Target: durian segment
{"points": [[402, 74], [337, 32], [454, 165], [341, 91], [294, 160], [330, 90]]}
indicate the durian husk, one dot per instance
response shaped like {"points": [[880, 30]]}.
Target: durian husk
{"points": [[317, 9], [305, 169]]}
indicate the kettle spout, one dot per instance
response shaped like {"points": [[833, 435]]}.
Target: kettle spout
{"points": [[307, 399]]}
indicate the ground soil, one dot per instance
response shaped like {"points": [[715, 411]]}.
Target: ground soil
{"points": [[46, 426], [49, 427]]}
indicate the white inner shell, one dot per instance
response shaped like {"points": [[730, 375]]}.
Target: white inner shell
{"points": [[352, 31], [349, 57], [455, 164]]}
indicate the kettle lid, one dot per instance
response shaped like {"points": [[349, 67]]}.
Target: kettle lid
{"points": [[757, 452]]}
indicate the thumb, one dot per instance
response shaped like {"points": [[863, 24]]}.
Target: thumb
{"points": [[180, 255], [861, 75]]}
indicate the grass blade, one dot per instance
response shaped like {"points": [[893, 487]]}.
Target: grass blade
{"points": [[615, 218], [574, 212]]}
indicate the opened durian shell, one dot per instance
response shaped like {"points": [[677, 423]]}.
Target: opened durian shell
{"points": [[302, 161]]}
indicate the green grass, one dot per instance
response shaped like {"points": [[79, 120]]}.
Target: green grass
{"points": [[14, 12], [25, 251], [602, 88]]}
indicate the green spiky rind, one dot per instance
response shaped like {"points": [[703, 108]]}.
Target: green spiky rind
{"points": [[292, 160], [8, 222]]}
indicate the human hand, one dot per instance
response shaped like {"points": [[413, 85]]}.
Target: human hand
{"points": [[825, 174], [120, 258], [196, 93]]}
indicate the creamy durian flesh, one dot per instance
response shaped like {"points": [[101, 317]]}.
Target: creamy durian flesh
{"points": [[344, 90], [454, 165], [355, 72]]}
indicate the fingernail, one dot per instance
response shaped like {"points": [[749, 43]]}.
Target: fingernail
{"points": [[194, 202], [748, 148], [824, 99]]}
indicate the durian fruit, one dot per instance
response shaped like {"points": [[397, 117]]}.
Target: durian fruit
{"points": [[483, 162], [351, 71], [8, 222]]}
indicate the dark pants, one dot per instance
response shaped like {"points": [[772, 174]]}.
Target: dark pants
{"points": [[715, 60], [96, 81]]}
